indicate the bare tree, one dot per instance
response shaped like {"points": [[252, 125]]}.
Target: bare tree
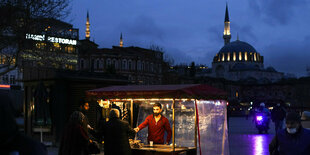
{"points": [[19, 17], [167, 58]]}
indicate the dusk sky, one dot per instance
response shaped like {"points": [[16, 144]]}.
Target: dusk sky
{"points": [[192, 30]]}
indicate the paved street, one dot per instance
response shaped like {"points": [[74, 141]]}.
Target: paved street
{"points": [[243, 138]]}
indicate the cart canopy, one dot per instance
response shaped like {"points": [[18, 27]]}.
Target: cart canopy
{"points": [[197, 91]]}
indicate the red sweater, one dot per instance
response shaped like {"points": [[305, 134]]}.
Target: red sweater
{"points": [[156, 131]]}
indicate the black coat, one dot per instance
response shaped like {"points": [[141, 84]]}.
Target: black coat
{"points": [[116, 134]]}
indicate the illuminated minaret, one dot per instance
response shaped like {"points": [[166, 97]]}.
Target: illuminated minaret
{"points": [[121, 41], [87, 32], [226, 35]]}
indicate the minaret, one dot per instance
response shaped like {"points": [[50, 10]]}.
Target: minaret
{"points": [[121, 41], [87, 32], [226, 35]]}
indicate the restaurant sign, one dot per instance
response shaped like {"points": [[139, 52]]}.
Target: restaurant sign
{"points": [[42, 37]]}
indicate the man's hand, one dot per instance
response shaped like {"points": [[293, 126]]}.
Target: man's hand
{"points": [[89, 127], [137, 129]]}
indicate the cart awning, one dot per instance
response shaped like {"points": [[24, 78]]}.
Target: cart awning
{"points": [[196, 91]]}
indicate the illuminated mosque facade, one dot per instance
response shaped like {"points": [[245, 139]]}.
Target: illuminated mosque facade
{"points": [[238, 60]]}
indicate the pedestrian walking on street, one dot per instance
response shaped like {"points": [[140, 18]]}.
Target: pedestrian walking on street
{"points": [[293, 140], [278, 114], [116, 134], [75, 140]]}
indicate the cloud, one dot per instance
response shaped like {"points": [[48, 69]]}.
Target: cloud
{"points": [[245, 32], [288, 56], [143, 27], [276, 12]]}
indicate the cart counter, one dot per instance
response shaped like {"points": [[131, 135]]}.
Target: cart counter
{"points": [[158, 149]]}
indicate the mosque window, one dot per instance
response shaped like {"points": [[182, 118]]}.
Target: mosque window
{"points": [[258, 57], [254, 56], [228, 56], [240, 56], [237, 94], [246, 56], [218, 58], [251, 56], [234, 56], [223, 57]]}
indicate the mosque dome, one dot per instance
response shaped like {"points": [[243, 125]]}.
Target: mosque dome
{"points": [[237, 46], [238, 51]]}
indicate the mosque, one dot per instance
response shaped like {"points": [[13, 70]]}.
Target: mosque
{"points": [[239, 61]]}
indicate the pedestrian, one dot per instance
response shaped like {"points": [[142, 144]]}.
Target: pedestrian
{"points": [[293, 140], [75, 140], [265, 112], [247, 112], [114, 106], [278, 114], [84, 107], [157, 125], [116, 134], [11, 140]]}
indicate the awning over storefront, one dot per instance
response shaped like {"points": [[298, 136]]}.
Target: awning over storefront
{"points": [[196, 91]]}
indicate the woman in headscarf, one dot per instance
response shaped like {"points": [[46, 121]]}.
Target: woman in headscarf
{"points": [[75, 140]]}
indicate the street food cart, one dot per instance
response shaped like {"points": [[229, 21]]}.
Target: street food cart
{"points": [[197, 113]]}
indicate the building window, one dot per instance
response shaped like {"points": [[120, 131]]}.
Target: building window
{"points": [[142, 66], [152, 67], [240, 56], [246, 56], [139, 65], [40, 45], [129, 65], [2, 59], [223, 57], [69, 49], [234, 56], [97, 64], [228, 56], [5, 79], [67, 66], [254, 56], [114, 64], [12, 79], [124, 65], [82, 63], [101, 64], [108, 62], [237, 94]]}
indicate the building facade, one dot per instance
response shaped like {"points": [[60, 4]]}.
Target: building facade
{"points": [[141, 66]]}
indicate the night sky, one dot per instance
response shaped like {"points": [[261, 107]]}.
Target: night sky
{"points": [[192, 30]]}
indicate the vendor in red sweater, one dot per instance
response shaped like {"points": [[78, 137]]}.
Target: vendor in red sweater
{"points": [[157, 125]]}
